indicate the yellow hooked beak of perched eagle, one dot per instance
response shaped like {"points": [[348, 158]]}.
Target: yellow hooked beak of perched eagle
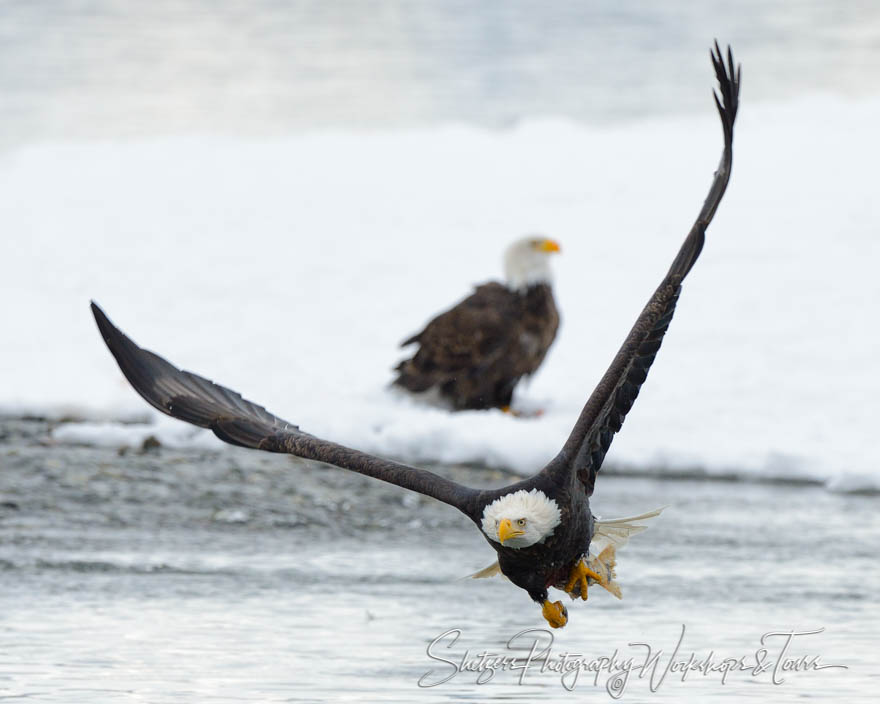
{"points": [[507, 529], [547, 245]]}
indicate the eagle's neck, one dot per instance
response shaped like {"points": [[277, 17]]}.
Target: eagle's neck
{"points": [[523, 273]]}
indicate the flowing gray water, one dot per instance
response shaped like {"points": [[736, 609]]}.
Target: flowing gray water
{"points": [[103, 69], [163, 575]]}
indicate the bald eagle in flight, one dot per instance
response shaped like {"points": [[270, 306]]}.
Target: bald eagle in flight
{"points": [[474, 354], [541, 527]]}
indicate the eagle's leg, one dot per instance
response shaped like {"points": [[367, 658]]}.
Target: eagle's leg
{"points": [[555, 613], [580, 574]]}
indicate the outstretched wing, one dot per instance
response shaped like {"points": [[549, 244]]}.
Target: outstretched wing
{"points": [[236, 420], [608, 405]]}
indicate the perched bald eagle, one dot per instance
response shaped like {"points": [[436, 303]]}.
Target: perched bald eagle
{"points": [[474, 354], [541, 527]]}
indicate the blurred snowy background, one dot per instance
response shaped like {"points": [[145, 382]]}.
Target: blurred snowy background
{"points": [[275, 194]]}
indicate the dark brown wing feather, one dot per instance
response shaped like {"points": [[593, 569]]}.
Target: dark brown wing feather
{"points": [[476, 352], [236, 420], [612, 399], [461, 338]]}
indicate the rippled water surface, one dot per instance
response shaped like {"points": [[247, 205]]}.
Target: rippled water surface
{"points": [[106, 69], [166, 575]]}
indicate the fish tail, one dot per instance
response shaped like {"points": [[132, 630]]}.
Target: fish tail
{"points": [[604, 564]]}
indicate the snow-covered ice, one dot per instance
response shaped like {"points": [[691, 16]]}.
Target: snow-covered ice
{"points": [[290, 268]]}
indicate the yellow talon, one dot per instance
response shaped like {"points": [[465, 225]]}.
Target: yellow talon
{"points": [[555, 613], [521, 414], [582, 573]]}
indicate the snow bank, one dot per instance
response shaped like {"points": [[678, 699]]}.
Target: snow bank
{"points": [[290, 269]]}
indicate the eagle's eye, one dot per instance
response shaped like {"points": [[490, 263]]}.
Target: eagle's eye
{"points": [[521, 522]]}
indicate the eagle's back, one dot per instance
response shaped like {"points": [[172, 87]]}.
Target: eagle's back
{"points": [[474, 353]]}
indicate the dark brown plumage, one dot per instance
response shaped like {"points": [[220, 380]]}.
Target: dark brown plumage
{"points": [[475, 353], [566, 482]]}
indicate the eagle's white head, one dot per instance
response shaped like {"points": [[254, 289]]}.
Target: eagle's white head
{"points": [[521, 519], [527, 261]]}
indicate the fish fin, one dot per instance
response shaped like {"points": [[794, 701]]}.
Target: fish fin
{"points": [[607, 559], [617, 531]]}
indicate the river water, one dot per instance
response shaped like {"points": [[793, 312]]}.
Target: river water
{"points": [[73, 70], [161, 575]]}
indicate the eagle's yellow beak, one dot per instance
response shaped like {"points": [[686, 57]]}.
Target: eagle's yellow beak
{"points": [[506, 531], [549, 246]]}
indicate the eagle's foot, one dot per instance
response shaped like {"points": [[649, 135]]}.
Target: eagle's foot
{"points": [[522, 414], [581, 573], [555, 613], [594, 570]]}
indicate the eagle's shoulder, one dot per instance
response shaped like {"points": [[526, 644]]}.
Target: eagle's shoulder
{"points": [[490, 293]]}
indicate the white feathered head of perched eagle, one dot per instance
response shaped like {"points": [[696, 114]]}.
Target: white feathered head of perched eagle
{"points": [[527, 261], [521, 519]]}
